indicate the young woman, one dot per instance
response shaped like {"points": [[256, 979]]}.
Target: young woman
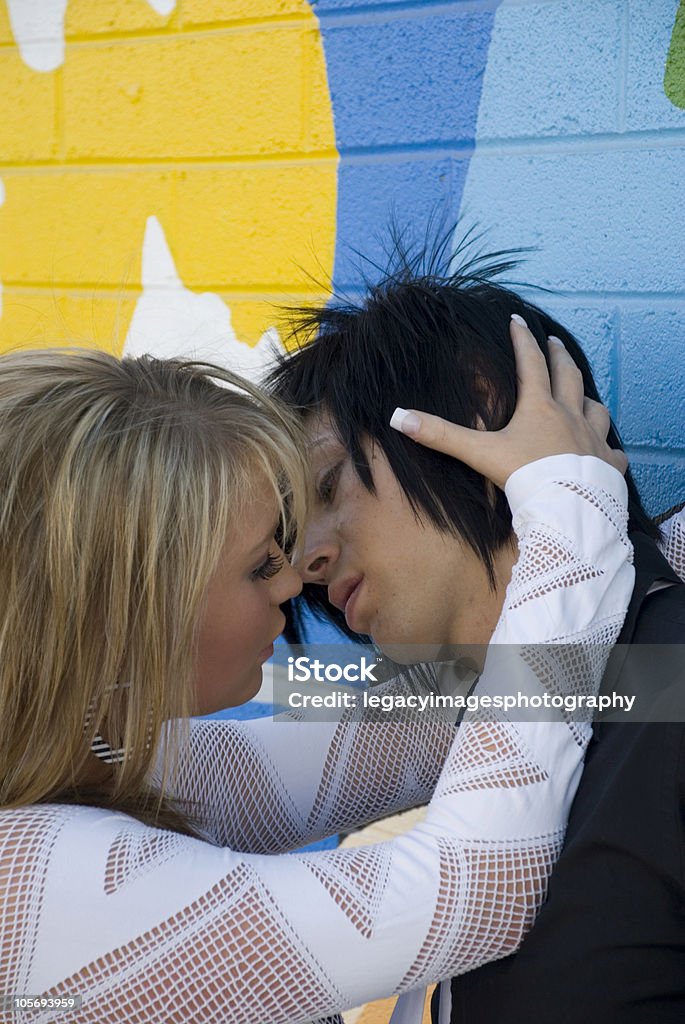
{"points": [[144, 511]]}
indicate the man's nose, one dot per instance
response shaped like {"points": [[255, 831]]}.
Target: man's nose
{"points": [[319, 556]]}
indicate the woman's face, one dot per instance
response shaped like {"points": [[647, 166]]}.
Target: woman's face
{"points": [[242, 615]]}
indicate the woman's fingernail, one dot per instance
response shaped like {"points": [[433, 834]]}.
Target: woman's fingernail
{"points": [[519, 319], [406, 422], [556, 341]]}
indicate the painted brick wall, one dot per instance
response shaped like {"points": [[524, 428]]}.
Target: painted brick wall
{"points": [[171, 168], [549, 123], [168, 170]]}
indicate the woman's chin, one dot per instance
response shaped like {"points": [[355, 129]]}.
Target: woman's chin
{"points": [[250, 690], [240, 694]]}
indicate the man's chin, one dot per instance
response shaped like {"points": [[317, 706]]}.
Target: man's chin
{"points": [[413, 654]]}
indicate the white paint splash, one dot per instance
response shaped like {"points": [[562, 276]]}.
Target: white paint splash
{"points": [[170, 320], [162, 7], [38, 27]]}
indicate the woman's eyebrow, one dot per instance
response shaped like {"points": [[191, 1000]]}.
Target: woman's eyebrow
{"points": [[269, 537]]}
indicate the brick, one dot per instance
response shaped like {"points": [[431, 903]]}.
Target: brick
{"points": [[647, 105], [251, 317], [319, 122], [98, 319], [652, 379], [223, 94], [373, 194], [73, 227], [84, 18], [552, 70], [604, 221], [203, 12], [323, 8], [596, 330], [27, 126], [660, 480], [674, 76], [261, 227], [411, 80], [54, 317], [38, 32], [6, 34], [233, 227]]}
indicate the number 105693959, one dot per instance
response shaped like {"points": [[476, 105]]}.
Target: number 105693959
{"points": [[19, 1003]]}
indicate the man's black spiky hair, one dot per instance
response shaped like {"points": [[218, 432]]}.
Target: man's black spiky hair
{"points": [[431, 333]]}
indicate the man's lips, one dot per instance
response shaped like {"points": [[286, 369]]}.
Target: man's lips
{"points": [[340, 593]]}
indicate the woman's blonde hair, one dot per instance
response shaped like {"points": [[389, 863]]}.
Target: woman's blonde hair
{"points": [[120, 480]]}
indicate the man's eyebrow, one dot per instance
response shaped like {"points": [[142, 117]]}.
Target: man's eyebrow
{"points": [[269, 537]]}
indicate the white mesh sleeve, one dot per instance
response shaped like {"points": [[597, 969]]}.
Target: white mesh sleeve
{"points": [[270, 786], [157, 928], [673, 543]]}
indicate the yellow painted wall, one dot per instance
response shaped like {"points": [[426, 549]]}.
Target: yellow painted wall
{"points": [[215, 119]]}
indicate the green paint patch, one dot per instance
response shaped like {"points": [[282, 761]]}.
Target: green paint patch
{"points": [[674, 77]]}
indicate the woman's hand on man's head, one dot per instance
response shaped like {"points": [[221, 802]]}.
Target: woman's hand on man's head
{"points": [[552, 417]]}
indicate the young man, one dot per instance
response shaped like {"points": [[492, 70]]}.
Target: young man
{"points": [[415, 550]]}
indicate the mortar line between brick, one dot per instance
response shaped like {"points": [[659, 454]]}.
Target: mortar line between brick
{"points": [[647, 454], [601, 141], [629, 299], [81, 289], [59, 113], [172, 32], [116, 166], [664, 138], [370, 13], [305, 93]]}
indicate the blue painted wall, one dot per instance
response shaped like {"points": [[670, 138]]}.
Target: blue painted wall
{"points": [[548, 123]]}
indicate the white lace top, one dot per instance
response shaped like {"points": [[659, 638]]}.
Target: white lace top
{"points": [[153, 927]]}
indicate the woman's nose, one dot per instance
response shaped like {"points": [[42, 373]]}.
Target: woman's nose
{"points": [[287, 583], [319, 556]]}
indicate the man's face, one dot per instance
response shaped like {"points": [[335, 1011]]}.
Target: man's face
{"points": [[400, 580]]}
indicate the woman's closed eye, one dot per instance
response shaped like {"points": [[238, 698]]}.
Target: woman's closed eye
{"points": [[325, 489], [271, 565]]}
